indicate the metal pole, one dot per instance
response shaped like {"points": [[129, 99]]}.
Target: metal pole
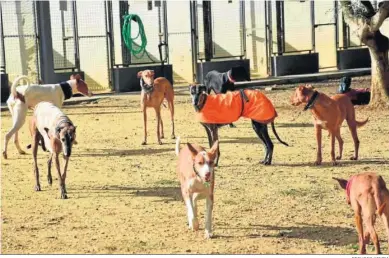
{"points": [[336, 14], [165, 30], [2, 38], [194, 38], [266, 37], [243, 26], [207, 20], [270, 42], [63, 39], [111, 43], [107, 43], [75, 37], [36, 43], [123, 10], [279, 27], [313, 27]]}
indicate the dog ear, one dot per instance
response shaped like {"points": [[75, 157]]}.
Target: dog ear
{"points": [[214, 150], [342, 182], [192, 149], [77, 77], [139, 75], [47, 131], [72, 77]]}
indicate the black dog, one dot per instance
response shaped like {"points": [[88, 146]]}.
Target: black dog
{"points": [[199, 97], [359, 96], [223, 82]]}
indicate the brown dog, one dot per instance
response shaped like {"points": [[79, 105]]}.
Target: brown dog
{"points": [[195, 170], [367, 193], [153, 94], [329, 114]]}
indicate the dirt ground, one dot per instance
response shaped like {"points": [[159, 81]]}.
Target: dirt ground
{"points": [[125, 197]]}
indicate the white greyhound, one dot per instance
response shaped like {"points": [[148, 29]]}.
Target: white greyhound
{"points": [[27, 96]]}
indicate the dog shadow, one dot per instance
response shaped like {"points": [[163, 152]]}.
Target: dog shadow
{"points": [[341, 163], [119, 153], [165, 193], [327, 235]]}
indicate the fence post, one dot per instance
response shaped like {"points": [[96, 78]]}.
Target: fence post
{"points": [[2, 40], [313, 27], [123, 10], [207, 20], [46, 45], [194, 36], [243, 26], [280, 27]]}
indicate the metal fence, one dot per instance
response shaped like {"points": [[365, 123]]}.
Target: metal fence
{"points": [[19, 39]]}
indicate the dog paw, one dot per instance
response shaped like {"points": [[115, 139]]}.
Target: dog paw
{"points": [[38, 188], [334, 163], [162, 136], [317, 163], [338, 157], [208, 234], [173, 136], [160, 142], [5, 155], [144, 143], [22, 152], [353, 158]]}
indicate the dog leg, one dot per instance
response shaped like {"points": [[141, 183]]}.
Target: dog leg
{"points": [[208, 217], [340, 142], [369, 220], [161, 129], [318, 139], [171, 108], [385, 220], [19, 117], [333, 148], [190, 210], [61, 183], [353, 129], [16, 142], [259, 134], [214, 130], [49, 162], [358, 222], [35, 142], [158, 114], [196, 225], [144, 126]]}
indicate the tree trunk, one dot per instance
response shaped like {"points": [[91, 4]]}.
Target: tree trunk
{"points": [[379, 78]]}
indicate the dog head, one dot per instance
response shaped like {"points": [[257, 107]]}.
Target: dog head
{"points": [[81, 85], [238, 74], [342, 182], [301, 95], [198, 93], [204, 161], [147, 76], [345, 83], [66, 134]]}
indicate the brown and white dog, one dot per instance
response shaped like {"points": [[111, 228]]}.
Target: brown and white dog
{"points": [[57, 133], [27, 96], [195, 171], [329, 114], [152, 95], [367, 194]]}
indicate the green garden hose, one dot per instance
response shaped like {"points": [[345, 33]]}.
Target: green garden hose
{"points": [[134, 48]]}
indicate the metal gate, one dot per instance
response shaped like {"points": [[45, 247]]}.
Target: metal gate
{"points": [[19, 52], [93, 41]]}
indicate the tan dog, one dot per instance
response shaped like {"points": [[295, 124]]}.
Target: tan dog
{"points": [[329, 114], [367, 193], [195, 171], [153, 94]]}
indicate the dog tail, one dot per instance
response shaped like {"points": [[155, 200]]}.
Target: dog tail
{"points": [[178, 145], [362, 123], [275, 133], [15, 83]]}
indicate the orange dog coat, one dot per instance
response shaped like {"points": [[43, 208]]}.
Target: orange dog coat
{"points": [[227, 108]]}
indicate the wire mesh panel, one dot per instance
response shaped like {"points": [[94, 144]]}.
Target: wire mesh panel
{"points": [[298, 30], [62, 29], [20, 45], [2, 53], [93, 45], [226, 32]]}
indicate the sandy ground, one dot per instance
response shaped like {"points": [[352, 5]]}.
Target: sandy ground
{"points": [[125, 198]]}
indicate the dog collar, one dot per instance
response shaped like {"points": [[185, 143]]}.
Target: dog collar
{"points": [[145, 87], [66, 89], [195, 170], [311, 101], [229, 77]]}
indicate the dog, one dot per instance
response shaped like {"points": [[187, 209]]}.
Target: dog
{"points": [[27, 96], [154, 91], [329, 114], [367, 193], [359, 96], [57, 133], [195, 171], [214, 111], [223, 82]]}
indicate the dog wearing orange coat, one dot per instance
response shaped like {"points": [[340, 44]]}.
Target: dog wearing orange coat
{"points": [[214, 111]]}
